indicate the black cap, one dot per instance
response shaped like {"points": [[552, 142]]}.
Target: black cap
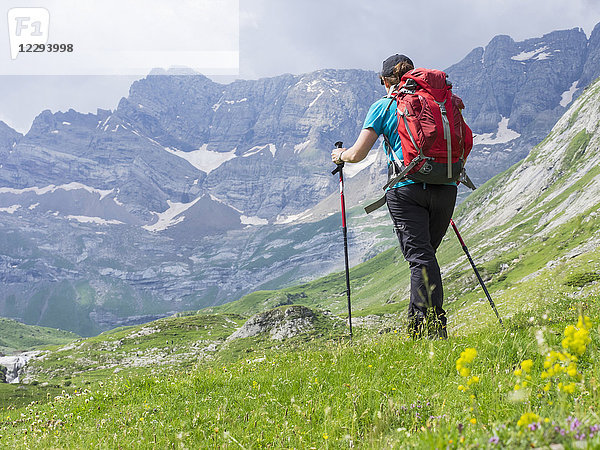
{"points": [[388, 65]]}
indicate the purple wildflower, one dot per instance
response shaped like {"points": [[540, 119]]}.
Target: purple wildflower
{"points": [[494, 440], [560, 430], [580, 436], [534, 426], [573, 422]]}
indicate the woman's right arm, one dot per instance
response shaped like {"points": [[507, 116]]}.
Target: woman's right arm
{"points": [[359, 150]]}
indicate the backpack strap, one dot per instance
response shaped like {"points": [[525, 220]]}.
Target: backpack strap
{"points": [[381, 201], [447, 134], [389, 150]]}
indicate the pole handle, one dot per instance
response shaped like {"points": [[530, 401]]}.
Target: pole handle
{"points": [[338, 144]]}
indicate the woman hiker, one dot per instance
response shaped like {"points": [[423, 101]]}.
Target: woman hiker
{"points": [[420, 212]]}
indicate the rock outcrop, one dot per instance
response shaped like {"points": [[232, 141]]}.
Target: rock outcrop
{"points": [[280, 323], [13, 365]]}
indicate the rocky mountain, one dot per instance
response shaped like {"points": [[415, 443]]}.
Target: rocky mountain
{"points": [[557, 182], [516, 91], [191, 193]]}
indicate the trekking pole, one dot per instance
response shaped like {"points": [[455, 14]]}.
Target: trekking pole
{"points": [[338, 169], [466, 250]]}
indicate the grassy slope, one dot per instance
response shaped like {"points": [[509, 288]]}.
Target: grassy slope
{"points": [[15, 336], [380, 391], [174, 341]]}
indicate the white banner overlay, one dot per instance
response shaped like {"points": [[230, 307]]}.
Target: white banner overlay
{"points": [[119, 37]]}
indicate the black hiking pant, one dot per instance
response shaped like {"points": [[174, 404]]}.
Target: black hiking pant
{"points": [[421, 214]]}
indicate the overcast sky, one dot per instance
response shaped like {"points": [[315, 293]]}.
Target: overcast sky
{"points": [[298, 36]]}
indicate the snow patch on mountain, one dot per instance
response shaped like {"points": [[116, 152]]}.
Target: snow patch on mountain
{"points": [[10, 209], [260, 148], [567, 96], [282, 219], [217, 105], [502, 136], [170, 217], [203, 159], [537, 54], [253, 220], [215, 199], [96, 220], [321, 92], [310, 86], [302, 146], [52, 188]]}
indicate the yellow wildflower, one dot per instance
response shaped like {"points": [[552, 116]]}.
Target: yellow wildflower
{"points": [[469, 354], [547, 364], [527, 418], [527, 365], [577, 337]]}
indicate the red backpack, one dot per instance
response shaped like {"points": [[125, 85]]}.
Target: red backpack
{"points": [[434, 136]]}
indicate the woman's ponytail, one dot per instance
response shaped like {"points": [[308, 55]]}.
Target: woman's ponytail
{"points": [[399, 70]]}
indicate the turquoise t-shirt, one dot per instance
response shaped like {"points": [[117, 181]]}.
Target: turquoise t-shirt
{"points": [[383, 121]]}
